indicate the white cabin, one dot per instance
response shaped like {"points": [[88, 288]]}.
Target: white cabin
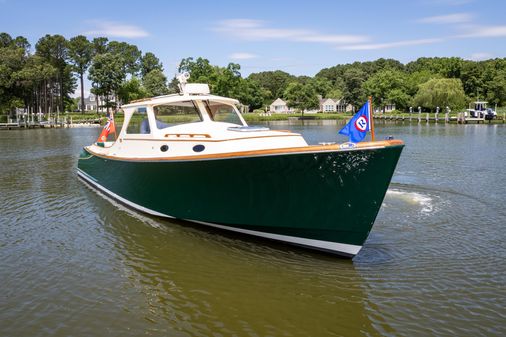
{"points": [[194, 123]]}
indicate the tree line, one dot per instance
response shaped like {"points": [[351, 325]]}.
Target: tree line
{"points": [[43, 81], [119, 72], [426, 82]]}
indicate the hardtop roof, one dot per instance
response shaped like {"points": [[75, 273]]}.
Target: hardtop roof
{"points": [[173, 98]]}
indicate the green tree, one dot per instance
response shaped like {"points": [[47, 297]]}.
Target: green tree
{"points": [[441, 92], [5, 40], [449, 67], [173, 86], [201, 70], [150, 62], [321, 85], [250, 93], [107, 73], [44, 81], [387, 86], [399, 98], [335, 93], [129, 54], [228, 80], [222, 81], [12, 60], [303, 79], [301, 96], [80, 53], [496, 89], [414, 79], [274, 83], [155, 83], [99, 45], [54, 49], [472, 78], [132, 89], [22, 42], [354, 79]]}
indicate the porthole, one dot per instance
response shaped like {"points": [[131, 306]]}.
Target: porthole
{"points": [[199, 148], [164, 148]]}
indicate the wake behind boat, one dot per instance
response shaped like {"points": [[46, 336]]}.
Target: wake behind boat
{"points": [[191, 156]]}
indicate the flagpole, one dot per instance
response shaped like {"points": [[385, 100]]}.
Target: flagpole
{"points": [[371, 118], [112, 116]]}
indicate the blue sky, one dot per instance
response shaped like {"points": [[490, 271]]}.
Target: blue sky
{"points": [[300, 37]]}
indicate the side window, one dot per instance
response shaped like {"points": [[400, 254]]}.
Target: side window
{"points": [[139, 123], [179, 113], [224, 113]]}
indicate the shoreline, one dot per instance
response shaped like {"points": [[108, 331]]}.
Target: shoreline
{"points": [[393, 118], [319, 117]]}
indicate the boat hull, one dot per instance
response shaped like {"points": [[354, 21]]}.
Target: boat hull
{"points": [[326, 200]]}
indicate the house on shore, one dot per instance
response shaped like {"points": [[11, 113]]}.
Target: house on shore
{"points": [[91, 103], [279, 106], [334, 105], [385, 109]]}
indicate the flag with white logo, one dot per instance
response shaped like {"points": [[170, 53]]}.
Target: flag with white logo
{"points": [[357, 127]]}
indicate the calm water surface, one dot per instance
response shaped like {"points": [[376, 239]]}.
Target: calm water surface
{"points": [[75, 263]]}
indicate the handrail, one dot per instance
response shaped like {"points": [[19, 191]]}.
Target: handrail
{"points": [[188, 135]]}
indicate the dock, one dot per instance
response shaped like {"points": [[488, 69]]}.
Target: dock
{"points": [[431, 118], [58, 123], [31, 125]]}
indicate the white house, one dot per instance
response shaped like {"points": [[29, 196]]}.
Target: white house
{"points": [[279, 106], [334, 105], [386, 108], [91, 103]]}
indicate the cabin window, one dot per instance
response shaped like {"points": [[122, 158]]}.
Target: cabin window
{"points": [[223, 113], [177, 113], [138, 123]]}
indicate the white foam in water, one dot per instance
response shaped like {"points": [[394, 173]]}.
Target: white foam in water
{"points": [[413, 198]]}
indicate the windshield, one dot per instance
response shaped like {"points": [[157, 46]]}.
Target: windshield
{"points": [[220, 112], [177, 113]]}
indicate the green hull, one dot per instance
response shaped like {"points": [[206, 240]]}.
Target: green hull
{"points": [[302, 198]]}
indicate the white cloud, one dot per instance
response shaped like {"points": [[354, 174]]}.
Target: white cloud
{"points": [[389, 45], [480, 56], [449, 18], [242, 56], [485, 31], [115, 29], [248, 29], [257, 30], [448, 2]]}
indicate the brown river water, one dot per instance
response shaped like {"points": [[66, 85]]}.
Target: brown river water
{"points": [[73, 263]]}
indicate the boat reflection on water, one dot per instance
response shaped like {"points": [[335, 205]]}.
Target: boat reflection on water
{"points": [[202, 284]]}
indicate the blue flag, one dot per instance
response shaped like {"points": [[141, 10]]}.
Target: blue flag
{"points": [[358, 126]]}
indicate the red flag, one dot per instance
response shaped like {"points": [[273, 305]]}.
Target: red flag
{"points": [[109, 127]]}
